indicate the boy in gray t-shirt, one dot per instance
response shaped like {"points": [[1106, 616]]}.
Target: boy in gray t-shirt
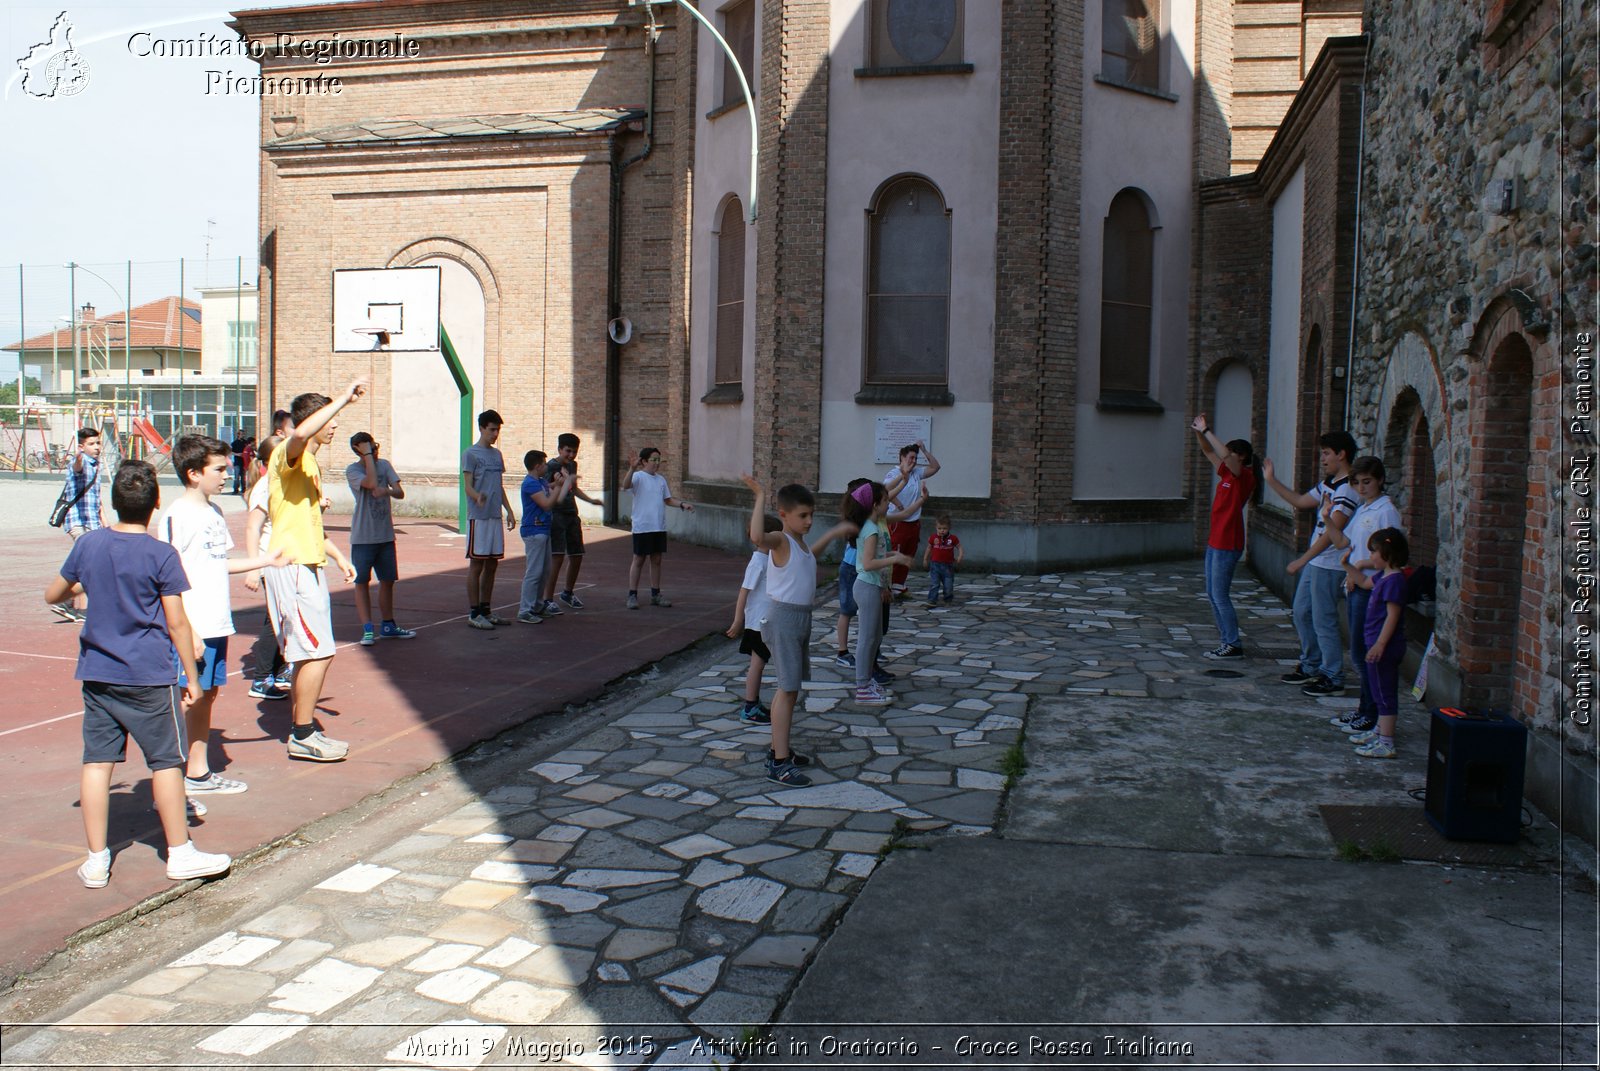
{"points": [[373, 483], [482, 471]]}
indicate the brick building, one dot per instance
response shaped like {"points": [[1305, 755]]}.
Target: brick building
{"points": [[1046, 232], [1413, 259]]}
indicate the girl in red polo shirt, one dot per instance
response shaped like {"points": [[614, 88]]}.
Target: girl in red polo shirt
{"points": [[1239, 472]]}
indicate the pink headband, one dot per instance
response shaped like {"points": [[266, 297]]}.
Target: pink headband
{"points": [[863, 495]]}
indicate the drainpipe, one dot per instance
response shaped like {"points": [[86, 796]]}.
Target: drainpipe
{"points": [[613, 451], [1355, 258]]}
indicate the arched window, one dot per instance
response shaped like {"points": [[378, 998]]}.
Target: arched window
{"points": [[908, 285], [728, 346], [1130, 37], [915, 33], [1127, 275]]}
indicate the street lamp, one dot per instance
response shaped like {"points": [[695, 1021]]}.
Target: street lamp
{"points": [[744, 87]]}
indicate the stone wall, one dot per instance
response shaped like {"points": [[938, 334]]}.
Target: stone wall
{"points": [[1472, 305]]}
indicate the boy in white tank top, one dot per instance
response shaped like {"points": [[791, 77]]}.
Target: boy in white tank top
{"points": [[791, 587]]}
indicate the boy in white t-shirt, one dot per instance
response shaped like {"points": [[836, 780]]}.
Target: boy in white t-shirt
{"points": [[1375, 513], [651, 497], [749, 615], [198, 532]]}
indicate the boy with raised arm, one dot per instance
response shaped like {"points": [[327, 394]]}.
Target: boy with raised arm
{"points": [[297, 593], [791, 586], [1317, 599]]}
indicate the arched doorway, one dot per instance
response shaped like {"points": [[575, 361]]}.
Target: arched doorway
{"points": [[1500, 587], [424, 437]]}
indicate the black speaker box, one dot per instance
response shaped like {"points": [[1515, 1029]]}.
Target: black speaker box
{"points": [[1475, 763]]}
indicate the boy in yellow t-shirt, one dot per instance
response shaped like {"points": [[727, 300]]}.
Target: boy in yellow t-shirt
{"points": [[297, 593]]}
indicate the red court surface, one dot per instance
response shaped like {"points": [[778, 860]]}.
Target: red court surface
{"points": [[403, 705]]}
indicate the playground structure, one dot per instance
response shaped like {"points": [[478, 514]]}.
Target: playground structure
{"points": [[41, 437]]}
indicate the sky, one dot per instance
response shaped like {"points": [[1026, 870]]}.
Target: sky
{"points": [[142, 163]]}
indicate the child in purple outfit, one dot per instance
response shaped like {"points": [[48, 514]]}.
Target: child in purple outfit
{"points": [[1385, 635]]}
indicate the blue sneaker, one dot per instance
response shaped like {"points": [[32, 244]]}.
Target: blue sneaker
{"points": [[571, 600], [368, 637], [392, 631], [754, 714]]}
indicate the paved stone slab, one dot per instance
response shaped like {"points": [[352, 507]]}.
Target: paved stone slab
{"points": [[254, 1034], [742, 899], [323, 986]]}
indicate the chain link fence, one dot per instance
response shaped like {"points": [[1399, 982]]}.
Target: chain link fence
{"points": [[144, 351]]}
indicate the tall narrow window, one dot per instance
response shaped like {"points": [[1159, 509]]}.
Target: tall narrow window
{"points": [[729, 344], [915, 33], [908, 285], [1126, 284], [1130, 37], [739, 27]]}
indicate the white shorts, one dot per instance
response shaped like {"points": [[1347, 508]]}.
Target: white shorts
{"points": [[298, 607], [486, 539]]}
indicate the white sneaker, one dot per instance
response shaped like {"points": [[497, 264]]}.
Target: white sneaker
{"points": [[213, 784], [95, 872], [318, 748], [190, 862]]}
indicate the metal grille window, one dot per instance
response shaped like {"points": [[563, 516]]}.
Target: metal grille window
{"points": [[908, 285], [728, 346], [915, 33], [1126, 287], [1130, 37], [739, 27]]}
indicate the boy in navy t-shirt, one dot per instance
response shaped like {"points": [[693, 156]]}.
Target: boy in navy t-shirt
{"points": [[125, 660]]}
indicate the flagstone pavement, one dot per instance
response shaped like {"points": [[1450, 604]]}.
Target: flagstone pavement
{"points": [[646, 879]]}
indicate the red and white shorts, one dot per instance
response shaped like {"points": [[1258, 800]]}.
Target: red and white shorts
{"points": [[298, 607]]}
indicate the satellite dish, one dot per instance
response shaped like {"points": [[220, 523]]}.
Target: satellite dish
{"points": [[620, 330]]}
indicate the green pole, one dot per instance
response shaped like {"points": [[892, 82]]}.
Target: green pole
{"points": [[464, 386]]}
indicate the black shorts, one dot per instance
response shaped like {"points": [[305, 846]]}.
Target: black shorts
{"points": [[566, 535], [648, 543], [751, 643], [148, 713]]}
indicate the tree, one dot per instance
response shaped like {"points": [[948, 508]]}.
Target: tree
{"points": [[8, 392]]}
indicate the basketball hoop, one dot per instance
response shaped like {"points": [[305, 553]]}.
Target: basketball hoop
{"points": [[379, 335]]}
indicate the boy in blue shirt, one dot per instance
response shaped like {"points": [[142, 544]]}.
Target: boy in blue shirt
{"points": [[537, 499], [125, 661]]}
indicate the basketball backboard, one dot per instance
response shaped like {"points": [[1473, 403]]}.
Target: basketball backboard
{"points": [[391, 309]]}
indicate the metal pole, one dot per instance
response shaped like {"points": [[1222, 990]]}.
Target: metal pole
{"points": [[179, 429], [72, 298], [744, 87], [22, 369], [238, 329], [127, 349]]}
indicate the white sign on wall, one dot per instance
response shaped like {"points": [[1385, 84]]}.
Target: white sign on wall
{"points": [[890, 433]]}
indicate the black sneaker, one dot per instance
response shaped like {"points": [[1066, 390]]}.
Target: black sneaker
{"points": [[756, 715], [1322, 686], [1298, 676], [1225, 650], [785, 773], [795, 757]]}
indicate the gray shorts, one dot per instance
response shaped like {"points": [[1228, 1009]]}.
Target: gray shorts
{"points": [[787, 633], [148, 713]]}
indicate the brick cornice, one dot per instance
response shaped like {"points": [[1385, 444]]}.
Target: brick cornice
{"points": [[1342, 59]]}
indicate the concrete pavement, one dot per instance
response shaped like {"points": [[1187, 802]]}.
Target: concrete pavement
{"points": [[1158, 875]]}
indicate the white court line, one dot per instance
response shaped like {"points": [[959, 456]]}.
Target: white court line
{"points": [[35, 654], [336, 647], [37, 724]]}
